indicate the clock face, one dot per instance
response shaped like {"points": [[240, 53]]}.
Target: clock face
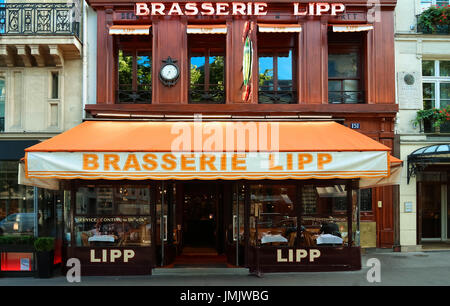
{"points": [[169, 72]]}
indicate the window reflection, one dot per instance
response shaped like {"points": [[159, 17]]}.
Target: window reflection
{"points": [[112, 231], [112, 216], [16, 202], [273, 219], [324, 219]]}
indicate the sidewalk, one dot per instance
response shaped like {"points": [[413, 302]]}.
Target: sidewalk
{"points": [[418, 268]]}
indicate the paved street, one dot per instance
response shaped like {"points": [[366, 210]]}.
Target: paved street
{"points": [[418, 268]]}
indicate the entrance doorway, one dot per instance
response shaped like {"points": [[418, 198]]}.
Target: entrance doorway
{"points": [[433, 198], [202, 217]]}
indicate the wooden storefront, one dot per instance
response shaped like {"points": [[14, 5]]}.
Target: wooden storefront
{"points": [[335, 63]]}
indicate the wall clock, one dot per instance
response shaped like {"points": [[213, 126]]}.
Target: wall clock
{"points": [[169, 72]]}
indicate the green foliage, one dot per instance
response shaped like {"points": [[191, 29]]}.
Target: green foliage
{"points": [[434, 17], [44, 244], [197, 75], [16, 240], [435, 115], [216, 72], [125, 68], [266, 76]]}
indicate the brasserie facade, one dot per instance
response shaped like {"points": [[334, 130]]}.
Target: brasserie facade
{"points": [[230, 134]]}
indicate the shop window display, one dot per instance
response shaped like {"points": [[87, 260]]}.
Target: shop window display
{"points": [[324, 215], [273, 218], [113, 216]]}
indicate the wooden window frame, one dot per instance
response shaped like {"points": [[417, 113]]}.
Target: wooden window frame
{"points": [[207, 43], [347, 47], [268, 46], [133, 46]]}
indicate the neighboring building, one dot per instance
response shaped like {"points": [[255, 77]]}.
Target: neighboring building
{"points": [[40, 97], [423, 83], [138, 202]]}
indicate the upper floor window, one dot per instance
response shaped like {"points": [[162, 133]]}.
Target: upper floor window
{"points": [[2, 103], [134, 67], [276, 68], [345, 73], [424, 4], [207, 68], [436, 87]]}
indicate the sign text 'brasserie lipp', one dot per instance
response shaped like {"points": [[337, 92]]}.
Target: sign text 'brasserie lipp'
{"points": [[233, 8]]}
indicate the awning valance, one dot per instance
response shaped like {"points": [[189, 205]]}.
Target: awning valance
{"points": [[208, 150], [352, 27], [129, 30], [206, 29], [279, 28]]}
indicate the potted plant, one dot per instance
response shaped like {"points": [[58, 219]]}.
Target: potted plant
{"points": [[432, 117], [434, 19], [44, 247]]}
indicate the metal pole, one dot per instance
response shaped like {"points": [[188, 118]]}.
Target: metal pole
{"points": [[161, 224], [237, 224], [36, 210]]}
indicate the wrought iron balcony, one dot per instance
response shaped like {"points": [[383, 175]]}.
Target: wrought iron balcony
{"points": [[207, 94], [345, 97], [266, 95], [134, 96], [39, 19]]}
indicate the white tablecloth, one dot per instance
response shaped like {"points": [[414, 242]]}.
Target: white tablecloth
{"points": [[273, 238], [101, 238], [329, 239]]}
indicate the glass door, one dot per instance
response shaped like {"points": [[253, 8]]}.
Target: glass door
{"points": [[235, 239], [430, 196], [166, 238]]}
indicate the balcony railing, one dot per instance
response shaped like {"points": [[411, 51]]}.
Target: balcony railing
{"points": [[134, 96], [441, 29], [345, 97], [39, 19], [266, 96], [207, 94]]}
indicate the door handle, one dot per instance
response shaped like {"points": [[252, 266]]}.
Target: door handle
{"points": [[234, 227]]}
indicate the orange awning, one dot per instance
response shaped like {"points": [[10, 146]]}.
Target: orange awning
{"points": [[117, 136], [279, 28], [208, 150], [129, 29], [207, 29], [352, 27]]}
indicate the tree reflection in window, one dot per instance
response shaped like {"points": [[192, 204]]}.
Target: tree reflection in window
{"points": [[135, 76], [207, 78]]}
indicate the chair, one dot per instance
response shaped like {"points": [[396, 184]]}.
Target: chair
{"points": [[292, 237], [309, 239]]}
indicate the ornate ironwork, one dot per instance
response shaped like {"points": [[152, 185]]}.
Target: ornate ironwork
{"points": [[134, 96], [345, 97], [276, 97], [39, 19], [211, 94]]}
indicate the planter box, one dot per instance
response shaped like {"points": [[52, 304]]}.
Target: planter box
{"points": [[426, 126], [44, 264]]}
